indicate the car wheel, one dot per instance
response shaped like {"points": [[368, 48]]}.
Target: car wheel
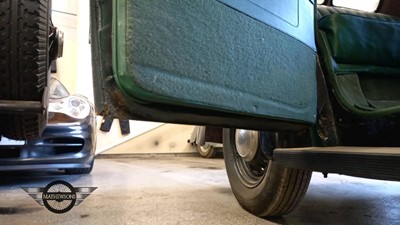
{"points": [[206, 150], [80, 170], [261, 186], [24, 60]]}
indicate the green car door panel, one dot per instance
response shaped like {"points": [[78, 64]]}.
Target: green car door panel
{"points": [[205, 55]]}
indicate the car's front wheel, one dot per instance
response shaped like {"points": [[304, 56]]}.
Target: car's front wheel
{"points": [[24, 63], [261, 186]]}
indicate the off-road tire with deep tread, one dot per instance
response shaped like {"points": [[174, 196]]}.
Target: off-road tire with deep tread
{"points": [[24, 63], [279, 191]]}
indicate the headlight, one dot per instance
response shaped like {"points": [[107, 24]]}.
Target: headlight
{"points": [[71, 106]]}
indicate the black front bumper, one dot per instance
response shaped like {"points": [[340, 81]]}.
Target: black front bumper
{"points": [[59, 147]]}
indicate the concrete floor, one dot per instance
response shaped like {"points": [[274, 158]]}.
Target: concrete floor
{"points": [[190, 190]]}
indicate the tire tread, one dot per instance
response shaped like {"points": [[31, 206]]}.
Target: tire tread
{"points": [[23, 62], [297, 180]]}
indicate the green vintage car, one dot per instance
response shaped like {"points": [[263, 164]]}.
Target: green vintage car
{"points": [[298, 86]]}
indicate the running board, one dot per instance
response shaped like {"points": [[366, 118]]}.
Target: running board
{"points": [[369, 162]]}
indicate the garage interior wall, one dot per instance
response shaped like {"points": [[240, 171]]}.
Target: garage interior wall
{"points": [[75, 72]]}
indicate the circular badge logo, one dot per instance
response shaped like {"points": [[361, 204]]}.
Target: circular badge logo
{"points": [[59, 196]]}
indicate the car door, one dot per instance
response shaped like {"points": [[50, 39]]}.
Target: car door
{"points": [[233, 63]]}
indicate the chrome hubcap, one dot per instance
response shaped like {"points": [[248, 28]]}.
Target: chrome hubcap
{"points": [[246, 143], [60, 41], [205, 148]]}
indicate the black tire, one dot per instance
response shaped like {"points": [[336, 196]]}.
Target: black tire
{"points": [[206, 150], [271, 191], [24, 63], [80, 170]]}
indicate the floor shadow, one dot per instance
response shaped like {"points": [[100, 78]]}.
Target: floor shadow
{"points": [[20, 178]]}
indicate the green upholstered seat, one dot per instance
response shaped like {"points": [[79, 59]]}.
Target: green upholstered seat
{"points": [[362, 54]]}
